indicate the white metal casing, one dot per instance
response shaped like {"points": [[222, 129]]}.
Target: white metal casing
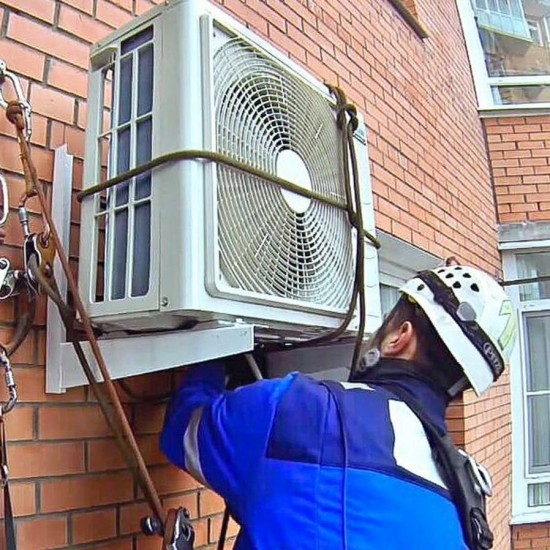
{"points": [[184, 277]]}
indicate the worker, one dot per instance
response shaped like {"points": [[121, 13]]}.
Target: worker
{"points": [[304, 464]]}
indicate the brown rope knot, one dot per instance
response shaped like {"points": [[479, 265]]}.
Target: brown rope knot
{"points": [[15, 114]]}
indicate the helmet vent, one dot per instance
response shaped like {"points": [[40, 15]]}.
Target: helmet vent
{"points": [[457, 284], [467, 275], [474, 287], [421, 287], [449, 276]]}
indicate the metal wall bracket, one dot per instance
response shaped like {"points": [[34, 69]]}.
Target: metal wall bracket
{"points": [[146, 353], [61, 213]]}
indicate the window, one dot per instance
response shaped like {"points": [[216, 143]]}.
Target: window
{"points": [[399, 262], [530, 380], [508, 44]]}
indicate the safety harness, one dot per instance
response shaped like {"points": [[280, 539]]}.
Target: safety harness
{"points": [[468, 483]]}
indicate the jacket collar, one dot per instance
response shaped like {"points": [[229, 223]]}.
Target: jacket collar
{"points": [[389, 372]]}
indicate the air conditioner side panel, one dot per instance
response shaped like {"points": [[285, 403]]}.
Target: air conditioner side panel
{"points": [[181, 128]]}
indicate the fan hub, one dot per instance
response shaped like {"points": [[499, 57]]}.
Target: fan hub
{"points": [[291, 167]]}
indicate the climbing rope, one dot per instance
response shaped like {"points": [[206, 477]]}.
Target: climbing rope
{"points": [[39, 253]]}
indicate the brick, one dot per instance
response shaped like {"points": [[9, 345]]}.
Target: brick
{"points": [[68, 79], [111, 15], [210, 503], [149, 419], [531, 144], [71, 423], [42, 533], [169, 480], [46, 459], [104, 455], [41, 38], [86, 6], [124, 4], [93, 526], [537, 197], [85, 492], [23, 499], [524, 207], [21, 424], [539, 216], [22, 61], [533, 531], [44, 9], [52, 104], [142, 6], [81, 25]]}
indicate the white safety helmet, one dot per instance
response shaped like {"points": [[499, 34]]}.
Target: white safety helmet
{"points": [[472, 315]]}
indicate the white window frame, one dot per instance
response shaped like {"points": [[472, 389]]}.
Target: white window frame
{"points": [[483, 82], [521, 512], [399, 261]]}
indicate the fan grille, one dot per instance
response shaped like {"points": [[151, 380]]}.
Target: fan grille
{"points": [[269, 243]]}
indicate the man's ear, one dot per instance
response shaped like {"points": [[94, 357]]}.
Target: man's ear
{"points": [[400, 342]]}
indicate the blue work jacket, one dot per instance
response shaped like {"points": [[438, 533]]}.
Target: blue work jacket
{"points": [[310, 466]]}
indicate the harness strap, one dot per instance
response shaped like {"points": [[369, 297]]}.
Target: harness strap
{"points": [[456, 470]]}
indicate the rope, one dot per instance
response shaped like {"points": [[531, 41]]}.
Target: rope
{"points": [[109, 402], [348, 123], [219, 158]]}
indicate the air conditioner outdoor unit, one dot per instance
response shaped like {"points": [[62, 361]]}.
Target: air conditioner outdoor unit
{"points": [[198, 241]]}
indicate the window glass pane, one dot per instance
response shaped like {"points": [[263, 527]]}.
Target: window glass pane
{"points": [[538, 411], [145, 80], [142, 249], [389, 295], [530, 265], [538, 352], [144, 135], [137, 40], [539, 494], [120, 254], [517, 95], [515, 37], [125, 90], [123, 164]]}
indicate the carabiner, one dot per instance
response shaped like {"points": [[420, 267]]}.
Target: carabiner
{"points": [[21, 99], [10, 382], [5, 201]]}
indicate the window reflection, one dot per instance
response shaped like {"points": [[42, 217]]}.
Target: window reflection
{"points": [[515, 36]]}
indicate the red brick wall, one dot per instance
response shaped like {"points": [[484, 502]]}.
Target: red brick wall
{"points": [[431, 183], [536, 535], [519, 151]]}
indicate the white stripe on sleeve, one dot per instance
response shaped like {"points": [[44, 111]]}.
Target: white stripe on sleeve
{"points": [[191, 447]]}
